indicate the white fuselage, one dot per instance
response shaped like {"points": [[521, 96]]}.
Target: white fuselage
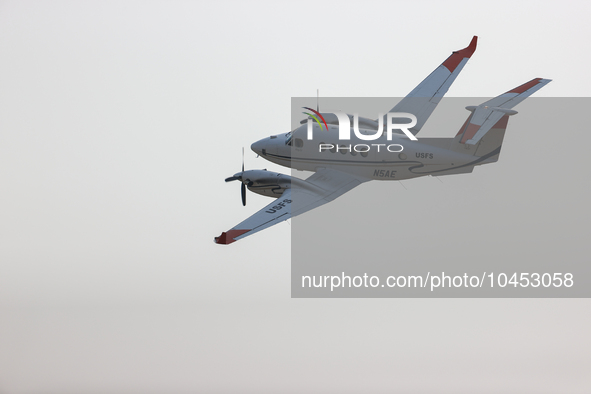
{"points": [[379, 159]]}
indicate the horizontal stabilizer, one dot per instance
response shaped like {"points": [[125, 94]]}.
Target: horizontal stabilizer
{"points": [[486, 115]]}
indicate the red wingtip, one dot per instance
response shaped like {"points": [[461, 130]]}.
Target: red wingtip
{"points": [[454, 60], [526, 86], [226, 238]]}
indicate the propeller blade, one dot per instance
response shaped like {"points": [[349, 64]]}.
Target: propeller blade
{"points": [[243, 186], [233, 178]]}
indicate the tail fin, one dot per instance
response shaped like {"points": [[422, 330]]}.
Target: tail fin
{"points": [[489, 146], [482, 133], [423, 99]]}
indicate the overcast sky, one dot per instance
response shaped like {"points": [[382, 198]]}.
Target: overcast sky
{"points": [[119, 123]]}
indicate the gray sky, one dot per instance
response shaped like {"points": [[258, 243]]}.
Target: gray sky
{"points": [[120, 121]]}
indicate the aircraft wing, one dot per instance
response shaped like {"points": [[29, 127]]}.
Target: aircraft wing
{"points": [[304, 195], [423, 99]]}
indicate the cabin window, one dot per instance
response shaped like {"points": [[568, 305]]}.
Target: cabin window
{"points": [[299, 142]]}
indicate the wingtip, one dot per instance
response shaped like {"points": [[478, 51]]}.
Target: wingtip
{"points": [[222, 239], [226, 238], [471, 48], [456, 57]]}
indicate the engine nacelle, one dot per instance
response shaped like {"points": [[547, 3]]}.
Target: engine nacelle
{"points": [[266, 183]]}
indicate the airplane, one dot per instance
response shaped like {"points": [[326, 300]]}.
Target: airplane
{"points": [[341, 165]]}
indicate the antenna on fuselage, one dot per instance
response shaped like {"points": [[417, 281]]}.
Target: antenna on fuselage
{"points": [[318, 100]]}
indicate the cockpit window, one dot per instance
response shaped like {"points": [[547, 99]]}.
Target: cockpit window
{"points": [[288, 139]]}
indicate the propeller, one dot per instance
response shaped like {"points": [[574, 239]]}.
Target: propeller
{"points": [[242, 185], [240, 177]]}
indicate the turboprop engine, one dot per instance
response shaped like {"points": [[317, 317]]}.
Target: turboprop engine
{"points": [[263, 182]]}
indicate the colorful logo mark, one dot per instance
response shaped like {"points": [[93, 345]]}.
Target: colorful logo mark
{"points": [[316, 118]]}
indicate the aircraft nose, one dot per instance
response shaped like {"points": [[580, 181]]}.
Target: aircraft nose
{"points": [[257, 147]]}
